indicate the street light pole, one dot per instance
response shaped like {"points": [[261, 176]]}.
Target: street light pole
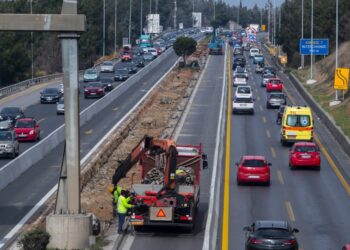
{"points": [[104, 28], [238, 12], [150, 7], [302, 30], [274, 23], [336, 40], [311, 80], [31, 41], [269, 19], [115, 24], [175, 10], [141, 28], [129, 21]]}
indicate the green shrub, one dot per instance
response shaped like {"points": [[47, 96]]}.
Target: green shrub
{"points": [[37, 239]]}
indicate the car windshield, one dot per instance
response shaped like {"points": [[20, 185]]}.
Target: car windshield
{"points": [[277, 96], [5, 124], [255, 51], [240, 70], [243, 90], [108, 64], [50, 91], [242, 100], [253, 163], [10, 110], [240, 75], [298, 120], [275, 81], [91, 72], [121, 71], [305, 149], [272, 233], [268, 76], [5, 136], [94, 85], [24, 124]]}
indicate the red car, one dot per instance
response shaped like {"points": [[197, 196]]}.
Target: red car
{"points": [[27, 129], [159, 51], [304, 154], [346, 247], [274, 85], [94, 89], [253, 169], [126, 57]]}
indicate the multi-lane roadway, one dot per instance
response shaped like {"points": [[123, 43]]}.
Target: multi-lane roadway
{"points": [[315, 202]]}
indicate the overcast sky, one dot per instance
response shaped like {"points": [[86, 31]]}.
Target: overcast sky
{"points": [[251, 3]]}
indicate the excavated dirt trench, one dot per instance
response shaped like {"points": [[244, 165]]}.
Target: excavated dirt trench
{"points": [[158, 117]]}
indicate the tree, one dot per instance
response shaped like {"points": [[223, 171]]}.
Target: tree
{"points": [[184, 46]]}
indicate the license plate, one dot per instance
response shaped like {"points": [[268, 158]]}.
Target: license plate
{"points": [[22, 135], [291, 133], [49, 98], [254, 177], [92, 93], [243, 105], [306, 156]]}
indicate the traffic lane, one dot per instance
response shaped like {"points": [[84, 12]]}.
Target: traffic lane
{"points": [[118, 108], [311, 195], [324, 194], [21, 195], [200, 126], [46, 113], [40, 178], [252, 202]]}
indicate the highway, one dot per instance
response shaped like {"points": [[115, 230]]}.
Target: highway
{"points": [[315, 202], [25, 192], [200, 126]]}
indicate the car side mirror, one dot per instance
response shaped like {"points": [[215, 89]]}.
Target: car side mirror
{"points": [[269, 164], [295, 230], [237, 164], [248, 229], [204, 156]]}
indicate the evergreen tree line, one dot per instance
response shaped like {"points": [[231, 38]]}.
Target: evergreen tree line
{"points": [[15, 47], [324, 25]]}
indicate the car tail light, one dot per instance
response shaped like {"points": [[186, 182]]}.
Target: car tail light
{"points": [[290, 242], [185, 218], [255, 241], [136, 217]]}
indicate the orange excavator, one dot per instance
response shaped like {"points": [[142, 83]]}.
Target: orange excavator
{"points": [[174, 201]]}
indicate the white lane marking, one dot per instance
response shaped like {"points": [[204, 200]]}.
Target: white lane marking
{"points": [[190, 102], [87, 156], [219, 135]]}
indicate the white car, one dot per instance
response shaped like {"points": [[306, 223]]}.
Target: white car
{"points": [[153, 51], [265, 78], [239, 80], [244, 92], [61, 88], [253, 52], [107, 66], [60, 107], [240, 70], [243, 105]]}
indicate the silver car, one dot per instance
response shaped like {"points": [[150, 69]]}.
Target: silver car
{"points": [[107, 66], [60, 107], [9, 146]]}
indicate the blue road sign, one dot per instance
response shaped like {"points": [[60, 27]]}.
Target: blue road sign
{"points": [[252, 37], [318, 46]]}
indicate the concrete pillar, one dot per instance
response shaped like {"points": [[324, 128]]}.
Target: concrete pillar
{"points": [[69, 231]]}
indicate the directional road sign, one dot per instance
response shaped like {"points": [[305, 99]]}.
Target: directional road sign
{"points": [[341, 79], [317, 47]]}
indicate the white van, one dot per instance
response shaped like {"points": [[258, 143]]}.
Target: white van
{"points": [[253, 52]]}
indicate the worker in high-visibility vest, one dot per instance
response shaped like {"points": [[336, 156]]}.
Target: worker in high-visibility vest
{"points": [[116, 193], [122, 208]]}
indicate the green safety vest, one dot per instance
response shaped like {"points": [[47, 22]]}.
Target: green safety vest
{"points": [[123, 204], [116, 194]]}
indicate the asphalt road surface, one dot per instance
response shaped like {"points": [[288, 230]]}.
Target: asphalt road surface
{"points": [[200, 126], [25, 192], [313, 201]]}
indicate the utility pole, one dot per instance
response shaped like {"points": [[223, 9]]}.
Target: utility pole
{"points": [[261, 14], [311, 80], [156, 6], [274, 23], [129, 21], [141, 28], [302, 31], [175, 10], [104, 29], [214, 10], [31, 41], [150, 7], [238, 12], [269, 19], [336, 41], [115, 24]]}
